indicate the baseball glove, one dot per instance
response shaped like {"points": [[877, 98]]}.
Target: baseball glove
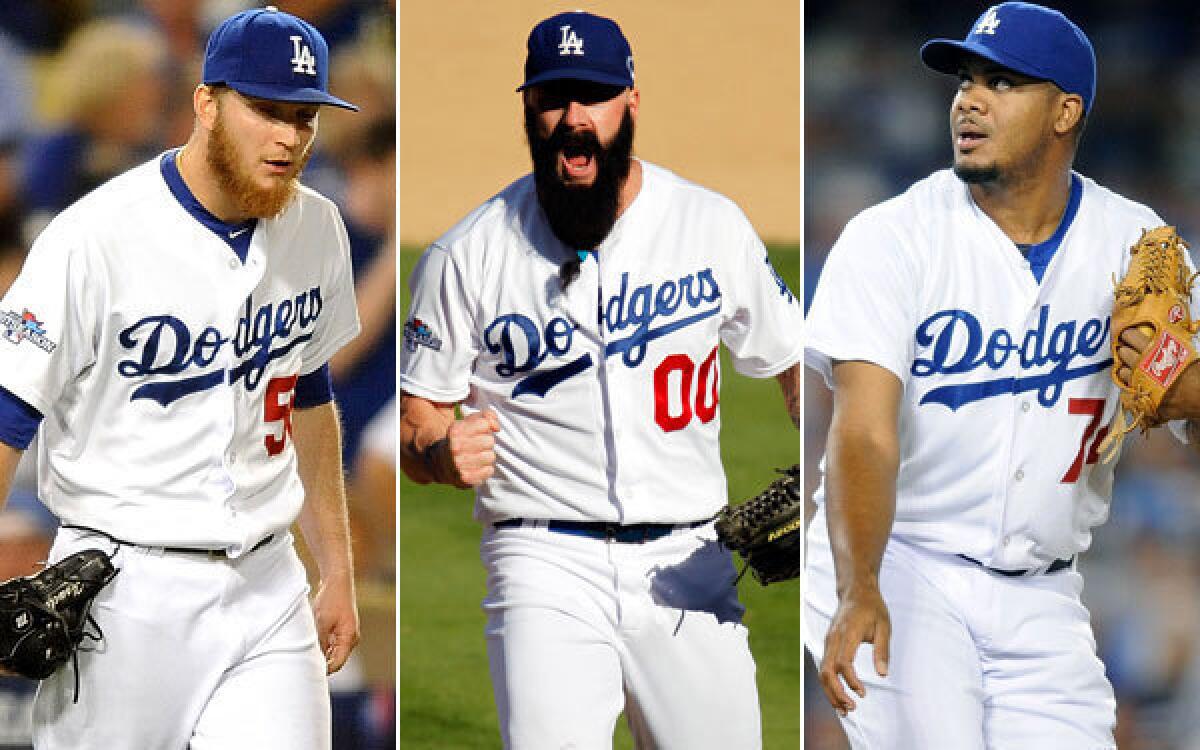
{"points": [[765, 530], [1155, 293], [43, 616]]}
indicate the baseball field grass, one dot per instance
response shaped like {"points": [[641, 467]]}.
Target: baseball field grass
{"points": [[444, 688]]}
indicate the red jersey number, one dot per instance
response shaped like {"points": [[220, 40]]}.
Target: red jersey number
{"points": [[1088, 444], [277, 407], [675, 403]]}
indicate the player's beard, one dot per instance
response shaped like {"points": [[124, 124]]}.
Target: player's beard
{"points": [[581, 216], [248, 197], [973, 175], [1017, 169]]}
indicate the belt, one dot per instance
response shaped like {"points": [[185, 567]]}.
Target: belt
{"points": [[615, 532], [211, 554], [1054, 567]]}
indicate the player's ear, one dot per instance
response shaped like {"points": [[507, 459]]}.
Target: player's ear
{"points": [[204, 103], [635, 100], [1070, 111]]}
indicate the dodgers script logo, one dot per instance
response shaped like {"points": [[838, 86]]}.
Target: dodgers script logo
{"points": [[632, 319], [165, 345], [952, 342]]}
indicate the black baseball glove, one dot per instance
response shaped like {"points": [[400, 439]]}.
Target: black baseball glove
{"points": [[765, 530], [43, 617]]}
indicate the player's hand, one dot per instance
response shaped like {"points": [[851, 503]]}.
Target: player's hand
{"points": [[1131, 345], [1183, 395], [861, 617], [337, 620], [467, 456]]}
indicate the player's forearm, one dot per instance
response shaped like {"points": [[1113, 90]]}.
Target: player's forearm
{"points": [[860, 501], [789, 382], [423, 426], [323, 519]]}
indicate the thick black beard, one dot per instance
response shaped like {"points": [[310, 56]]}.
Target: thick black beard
{"points": [[977, 175], [581, 217]]}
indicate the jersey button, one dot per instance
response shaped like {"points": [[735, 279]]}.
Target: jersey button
{"points": [[1019, 475], [1024, 406], [233, 264]]}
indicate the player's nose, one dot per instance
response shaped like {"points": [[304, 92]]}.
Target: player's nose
{"points": [[576, 115], [970, 98], [288, 134]]}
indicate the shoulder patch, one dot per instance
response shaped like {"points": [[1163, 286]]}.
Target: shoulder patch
{"points": [[24, 326], [418, 333]]}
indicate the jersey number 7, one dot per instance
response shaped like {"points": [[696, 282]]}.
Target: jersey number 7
{"points": [[1088, 444]]}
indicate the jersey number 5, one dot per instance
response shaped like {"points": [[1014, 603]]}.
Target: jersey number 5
{"points": [[277, 406], [1093, 407], [673, 390]]}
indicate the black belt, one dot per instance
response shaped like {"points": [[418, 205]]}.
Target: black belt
{"points": [[634, 532], [212, 554], [1055, 566]]}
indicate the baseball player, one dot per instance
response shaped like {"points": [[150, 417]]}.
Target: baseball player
{"points": [[169, 335], [964, 329], [576, 318]]}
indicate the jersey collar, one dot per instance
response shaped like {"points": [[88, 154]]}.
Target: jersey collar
{"points": [[236, 236], [1042, 253]]}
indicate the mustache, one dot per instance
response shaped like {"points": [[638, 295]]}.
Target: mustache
{"points": [[613, 158], [572, 142]]}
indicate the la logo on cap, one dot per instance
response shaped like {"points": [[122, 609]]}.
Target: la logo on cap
{"points": [[303, 60], [989, 23], [571, 44]]}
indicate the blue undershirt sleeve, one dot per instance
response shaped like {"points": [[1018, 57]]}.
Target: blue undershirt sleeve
{"points": [[313, 389], [18, 421]]}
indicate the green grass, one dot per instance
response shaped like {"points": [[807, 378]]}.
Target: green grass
{"points": [[445, 690]]}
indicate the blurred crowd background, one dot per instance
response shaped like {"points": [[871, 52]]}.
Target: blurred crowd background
{"points": [[876, 120], [90, 88]]}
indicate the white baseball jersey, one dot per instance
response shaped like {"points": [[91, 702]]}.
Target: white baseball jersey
{"points": [[164, 365], [607, 394], [1006, 381]]}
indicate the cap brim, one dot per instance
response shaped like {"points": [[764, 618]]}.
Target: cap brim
{"points": [[295, 96], [593, 76], [946, 55]]}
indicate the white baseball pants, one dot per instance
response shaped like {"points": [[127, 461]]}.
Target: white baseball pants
{"points": [[580, 628], [198, 653], [978, 660]]}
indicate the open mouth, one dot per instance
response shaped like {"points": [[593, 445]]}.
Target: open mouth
{"points": [[577, 159], [968, 137]]}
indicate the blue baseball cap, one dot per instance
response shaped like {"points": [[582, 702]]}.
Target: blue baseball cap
{"points": [[269, 54], [578, 46], [1029, 39]]}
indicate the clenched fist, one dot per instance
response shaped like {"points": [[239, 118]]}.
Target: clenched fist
{"points": [[467, 456]]}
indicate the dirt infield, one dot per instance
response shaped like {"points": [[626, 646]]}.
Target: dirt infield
{"points": [[720, 87]]}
